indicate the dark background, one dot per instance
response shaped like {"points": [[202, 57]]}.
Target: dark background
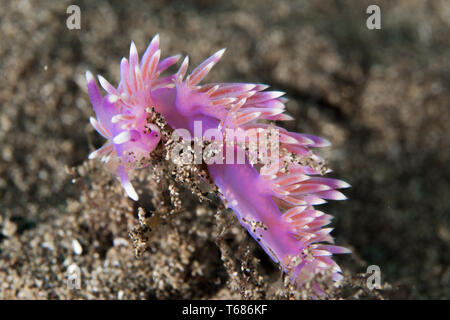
{"points": [[380, 96]]}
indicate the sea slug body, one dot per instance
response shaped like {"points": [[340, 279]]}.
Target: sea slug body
{"points": [[274, 202]]}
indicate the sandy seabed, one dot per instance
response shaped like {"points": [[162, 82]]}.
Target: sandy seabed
{"points": [[381, 97]]}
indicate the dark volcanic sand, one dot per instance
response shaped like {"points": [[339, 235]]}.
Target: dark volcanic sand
{"points": [[381, 97]]}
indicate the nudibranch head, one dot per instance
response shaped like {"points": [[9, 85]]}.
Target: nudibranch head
{"points": [[123, 115]]}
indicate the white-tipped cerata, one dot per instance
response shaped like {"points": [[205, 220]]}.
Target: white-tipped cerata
{"points": [[122, 137]]}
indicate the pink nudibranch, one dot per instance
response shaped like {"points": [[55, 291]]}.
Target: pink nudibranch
{"points": [[275, 204]]}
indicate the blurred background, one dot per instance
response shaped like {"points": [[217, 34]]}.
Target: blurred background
{"points": [[381, 96]]}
